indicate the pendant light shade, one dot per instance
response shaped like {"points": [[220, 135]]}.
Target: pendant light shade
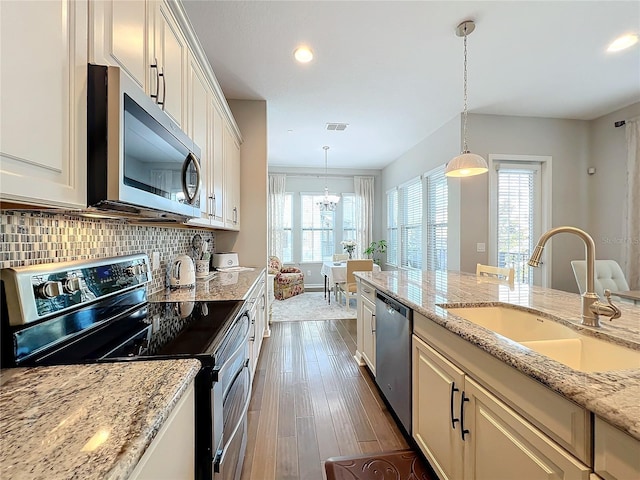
{"points": [[330, 202], [466, 164]]}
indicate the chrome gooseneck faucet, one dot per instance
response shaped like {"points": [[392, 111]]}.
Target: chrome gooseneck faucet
{"points": [[592, 307]]}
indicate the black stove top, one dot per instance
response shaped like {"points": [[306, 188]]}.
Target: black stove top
{"points": [[102, 321]]}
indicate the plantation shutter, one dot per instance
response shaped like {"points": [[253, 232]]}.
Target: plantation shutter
{"points": [[437, 220], [392, 227], [411, 227]]}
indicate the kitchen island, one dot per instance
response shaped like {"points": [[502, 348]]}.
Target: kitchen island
{"points": [[612, 395], [86, 421]]}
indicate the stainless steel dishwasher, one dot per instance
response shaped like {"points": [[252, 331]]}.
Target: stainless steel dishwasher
{"points": [[393, 356]]}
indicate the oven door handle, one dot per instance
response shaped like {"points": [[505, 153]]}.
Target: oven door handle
{"points": [[219, 457], [218, 368]]}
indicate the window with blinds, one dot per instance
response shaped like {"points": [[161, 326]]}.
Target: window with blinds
{"points": [[411, 225], [317, 230], [437, 217], [287, 240], [517, 189], [392, 227], [349, 216]]}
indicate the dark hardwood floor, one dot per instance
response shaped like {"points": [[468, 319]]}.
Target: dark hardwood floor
{"points": [[311, 401]]}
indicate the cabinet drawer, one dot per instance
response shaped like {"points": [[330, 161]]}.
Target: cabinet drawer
{"points": [[617, 455], [368, 292], [565, 422]]}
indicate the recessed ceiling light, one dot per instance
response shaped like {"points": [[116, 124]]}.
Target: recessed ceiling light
{"points": [[303, 54], [620, 43]]}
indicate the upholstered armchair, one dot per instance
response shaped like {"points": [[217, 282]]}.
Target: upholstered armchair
{"points": [[288, 281]]}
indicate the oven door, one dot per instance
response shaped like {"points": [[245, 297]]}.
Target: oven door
{"points": [[227, 464]]}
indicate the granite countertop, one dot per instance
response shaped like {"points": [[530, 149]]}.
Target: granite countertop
{"points": [[219, 285], [613, 395], [50, 416]]}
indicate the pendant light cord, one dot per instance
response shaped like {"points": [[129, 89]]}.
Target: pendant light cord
{"points": [[464, 112]]}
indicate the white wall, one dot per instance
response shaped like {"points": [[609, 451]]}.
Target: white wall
{"points": [[607, 187]]}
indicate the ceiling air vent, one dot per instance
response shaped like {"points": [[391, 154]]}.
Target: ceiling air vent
{"points": [[337, 126]]}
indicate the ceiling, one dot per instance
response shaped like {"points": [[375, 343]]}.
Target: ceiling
{"points": [[393, 70]]}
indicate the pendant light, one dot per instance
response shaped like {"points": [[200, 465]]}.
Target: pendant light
{"points": [[330, 202], [466, 164]]}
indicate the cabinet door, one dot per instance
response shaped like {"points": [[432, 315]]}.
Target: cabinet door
{"points": [[437, 388], [216, 133], [120, 36], [44, 107], [369, 333], [231, 152], [197, 127], [172, 453], [170, 51], [503, 445]]}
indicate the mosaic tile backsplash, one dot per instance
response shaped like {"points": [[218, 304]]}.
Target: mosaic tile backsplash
{"points": [[29, 238]]}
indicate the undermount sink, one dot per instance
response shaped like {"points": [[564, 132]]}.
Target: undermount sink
{"points": [[552, 339]]}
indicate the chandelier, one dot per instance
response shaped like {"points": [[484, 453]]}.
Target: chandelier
{"points": [[329, 202], [466, 164]]}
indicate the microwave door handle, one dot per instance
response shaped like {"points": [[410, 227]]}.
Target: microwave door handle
{"points": [[185, 170]]}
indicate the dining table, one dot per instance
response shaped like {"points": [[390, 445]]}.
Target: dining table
{"points": [[334, 273]]}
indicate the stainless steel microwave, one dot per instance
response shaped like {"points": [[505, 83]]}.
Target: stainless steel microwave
{"points": [[139, 162]]}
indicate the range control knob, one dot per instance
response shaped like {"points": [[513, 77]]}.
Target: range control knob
{"points": [[72, 284], [49, 289]]}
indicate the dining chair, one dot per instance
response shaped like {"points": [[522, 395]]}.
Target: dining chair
{"points": [[608, 275], [349, 287], [340, 257], [502, 273]]}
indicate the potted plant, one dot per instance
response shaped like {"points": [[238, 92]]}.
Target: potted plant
{"points": [[376, 247]]}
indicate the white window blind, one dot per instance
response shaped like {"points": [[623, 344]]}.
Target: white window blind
{"points": [[411, 225], [437, 219], [392, 227], [317, 230], [287, 240], [517, 193]]}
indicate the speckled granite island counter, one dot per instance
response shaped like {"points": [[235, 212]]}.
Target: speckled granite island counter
{"points": [[85, 421], [220, 285], [612, 395]]}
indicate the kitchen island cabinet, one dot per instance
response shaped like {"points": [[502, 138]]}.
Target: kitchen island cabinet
{"points": [[95, 421], [513, 394]]}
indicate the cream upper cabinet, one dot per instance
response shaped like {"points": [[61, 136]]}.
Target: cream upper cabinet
{"points": [[44, 108], [216, 193], [170, 57], [120, 37], [197, 127], [231, 153]]}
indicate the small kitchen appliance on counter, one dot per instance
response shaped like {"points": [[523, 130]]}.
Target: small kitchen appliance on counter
{"points": [[225, 260], [182, 273]]}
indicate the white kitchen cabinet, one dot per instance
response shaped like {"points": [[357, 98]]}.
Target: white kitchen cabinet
{"points": [[197, 127], [231, 153], [120, 37], [258, 315], [369, 330], [437, 386], [170, 52], [366, 325], [498, 442], [43, 83], [171, 454], [617, 454]]}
